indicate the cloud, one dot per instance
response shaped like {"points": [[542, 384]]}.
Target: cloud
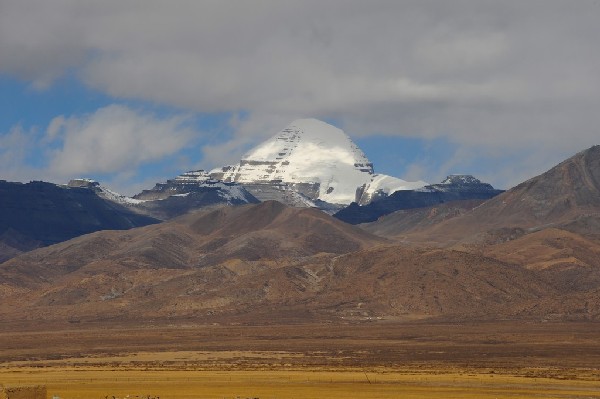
{"points": [[114, 138], [505, 77], [114, 142], [15, 147]]}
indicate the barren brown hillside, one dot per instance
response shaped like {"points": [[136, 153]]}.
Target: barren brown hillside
{"points": [[197, 264], [195, 268], [419, 219], [567, 196]]}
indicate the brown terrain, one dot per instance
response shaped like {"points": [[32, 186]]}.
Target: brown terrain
{"points": [[499, 345], [224, 260], [262, 261], [419, 219], [509, 284]]}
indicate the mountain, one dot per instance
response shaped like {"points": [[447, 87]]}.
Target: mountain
{"points": [[568, 190], [269, 261], [194, 182], [187, 192], [317, 160], [406, 221], [548, 249], [180, 266], [399, 282], [191, 191], [38, 214], [566, 196], [549, 225], [260, 232], [453, 188]]}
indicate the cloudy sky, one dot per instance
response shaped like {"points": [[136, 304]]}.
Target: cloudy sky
{"points": [[134, 92]]}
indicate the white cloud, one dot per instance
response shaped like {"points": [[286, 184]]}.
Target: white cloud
{"points": [[15, 146], [114, 138], [113, 142]]}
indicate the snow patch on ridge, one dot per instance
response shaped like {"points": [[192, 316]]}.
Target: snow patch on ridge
{"points": [[194, 182], [116, 197], [103, 191]]}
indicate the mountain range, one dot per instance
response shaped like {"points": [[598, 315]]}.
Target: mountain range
{"points": [[566, 197], [529, 253], [308, 164]]}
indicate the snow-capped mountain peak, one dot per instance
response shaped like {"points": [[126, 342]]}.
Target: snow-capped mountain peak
{"points": [[313, 157], [310, 140]]}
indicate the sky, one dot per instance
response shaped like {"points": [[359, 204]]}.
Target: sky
{"points": [[134, 92]]}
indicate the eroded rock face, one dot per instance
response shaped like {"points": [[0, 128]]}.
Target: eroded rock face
{"points": [[195, 182], [187, 192]]}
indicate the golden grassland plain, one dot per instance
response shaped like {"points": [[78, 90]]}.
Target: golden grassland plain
{"points": [[100, 382], [497, 360]]}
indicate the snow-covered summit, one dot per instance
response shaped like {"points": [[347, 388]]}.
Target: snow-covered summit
{"points": [[314, 158], [312, 140]]}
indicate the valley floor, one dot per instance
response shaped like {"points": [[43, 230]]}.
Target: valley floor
{"points": [[353, 360], [101, 382]]}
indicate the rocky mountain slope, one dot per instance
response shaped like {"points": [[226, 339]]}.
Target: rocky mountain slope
{"points": [[183, 261], [196, 181], [257, 261], [38, 214], [453, 188], [317, 160], [417, 219], [188, 192], [549, 224], [566, 196]]}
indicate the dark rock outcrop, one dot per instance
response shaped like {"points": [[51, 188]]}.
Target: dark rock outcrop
{"points": [[37, 214]]}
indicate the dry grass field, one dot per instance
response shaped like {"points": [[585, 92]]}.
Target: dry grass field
{"points": [[361, 360], [99, 382]]}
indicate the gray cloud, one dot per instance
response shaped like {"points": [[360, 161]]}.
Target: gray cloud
{"points": [[495, 77]]}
